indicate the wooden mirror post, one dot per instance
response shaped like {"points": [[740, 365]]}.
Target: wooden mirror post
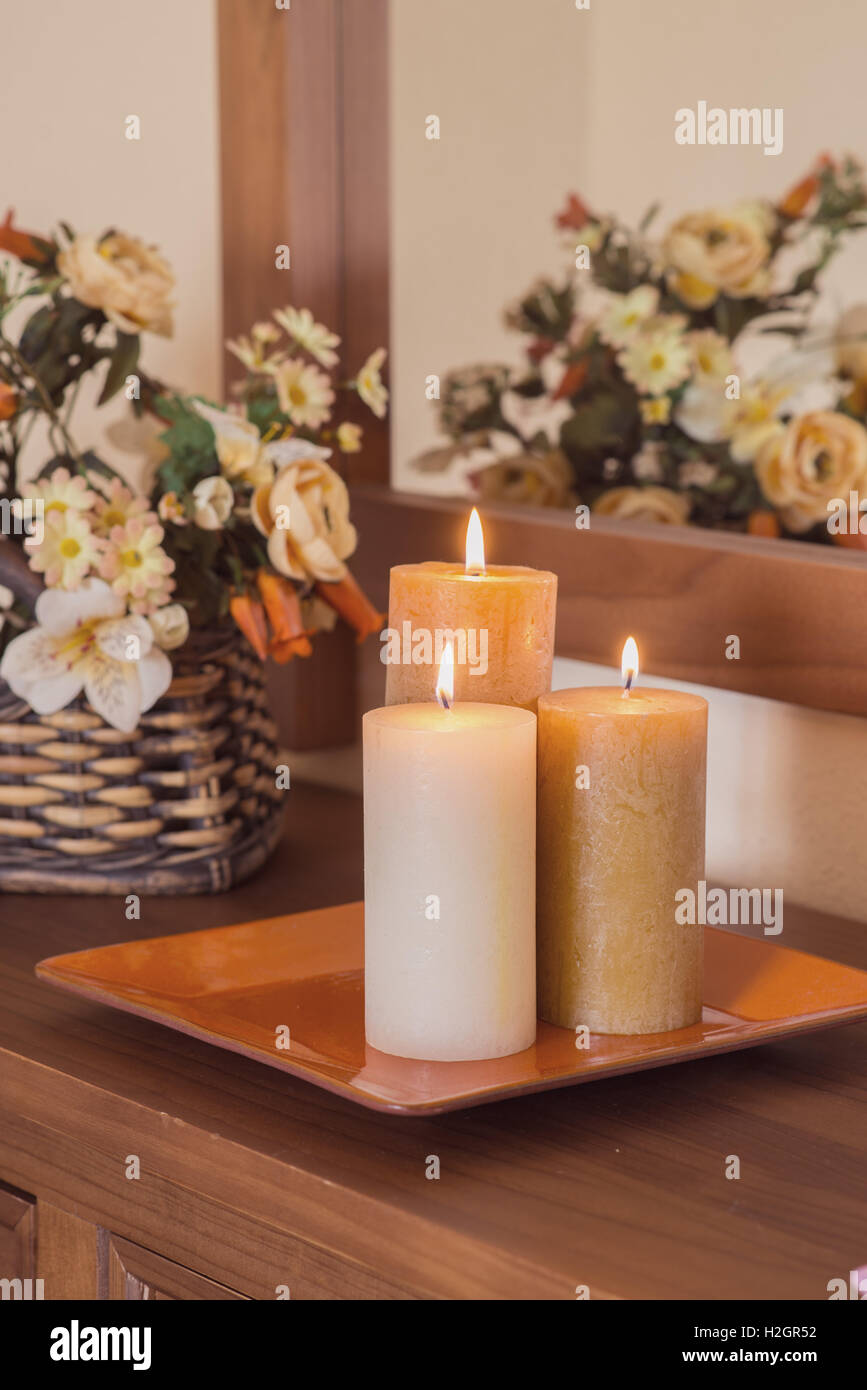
{"points": [[304, 134]]}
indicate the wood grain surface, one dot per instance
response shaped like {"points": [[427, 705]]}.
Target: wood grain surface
{"points": [[254, 1180]]}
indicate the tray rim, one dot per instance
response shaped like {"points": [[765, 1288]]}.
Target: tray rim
{"points": [[50, 970]]}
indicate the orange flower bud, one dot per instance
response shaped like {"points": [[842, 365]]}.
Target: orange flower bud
{"points": [[250, 618], [539, 349], [281, 652], [763, 523], [8, 401], [353, 605], [575, 214], [573, 379], [282, 606], [27, 246], [799, 198]]}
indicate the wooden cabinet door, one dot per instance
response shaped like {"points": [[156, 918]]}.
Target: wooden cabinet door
{"points": [[17, 1246], [136, 1273]]}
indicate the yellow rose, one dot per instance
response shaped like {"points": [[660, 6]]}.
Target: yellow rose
{"points": [[128, 281], [712, 253], [644, 504], [537, 480], [819, 456], [305, 515]]}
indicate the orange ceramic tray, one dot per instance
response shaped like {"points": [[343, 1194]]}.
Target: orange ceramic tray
{"points": [[236, 987]]}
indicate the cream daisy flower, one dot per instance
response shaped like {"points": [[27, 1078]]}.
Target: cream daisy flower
{"points": [[119, 507], [251, 351], [265, 332], [67, 551], [349, 438], [314, 337], [370, 386], [304, 393], [137, 567], [246, 352], [625, 314], [657, 360], [711, 354], [60, 492], [171, 508]]}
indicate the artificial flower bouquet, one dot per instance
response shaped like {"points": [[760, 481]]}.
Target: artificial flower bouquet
{"points": [[684, 378], [137, 750], [245, 519]]}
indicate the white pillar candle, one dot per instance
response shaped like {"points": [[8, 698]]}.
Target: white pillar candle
{"points": [[449, 880]]}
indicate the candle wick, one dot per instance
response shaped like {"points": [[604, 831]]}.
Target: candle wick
{"points": [[628, 686]]}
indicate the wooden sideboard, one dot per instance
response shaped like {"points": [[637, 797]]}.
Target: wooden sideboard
{"points": [[256, 1185]]}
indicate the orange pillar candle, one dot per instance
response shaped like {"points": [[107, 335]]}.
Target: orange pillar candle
{"points": [[621, 827], [501, 618]]}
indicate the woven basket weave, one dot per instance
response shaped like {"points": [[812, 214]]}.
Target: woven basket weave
{"points": [[187, 803]]}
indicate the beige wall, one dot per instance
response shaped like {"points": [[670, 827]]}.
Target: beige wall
{"points": [[471, 214], [72, 72], [539, 98]]}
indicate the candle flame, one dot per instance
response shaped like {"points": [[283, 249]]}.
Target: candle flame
{"points": [[475, 562], [446, 677], [629, 664]]}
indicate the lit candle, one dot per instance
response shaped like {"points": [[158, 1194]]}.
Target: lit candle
{"points": [[501, 618], [621, 788], [449, 878]]}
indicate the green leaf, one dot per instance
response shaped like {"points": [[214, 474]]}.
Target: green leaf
{"points": [[263, 409], [37, 333], [124, 361], [806, 280], [603, 424], [531, 388], [197, 554], [191, 445], [92, 463]]}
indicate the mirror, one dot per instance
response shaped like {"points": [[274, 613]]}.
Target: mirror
{"points": [[599, 213]]}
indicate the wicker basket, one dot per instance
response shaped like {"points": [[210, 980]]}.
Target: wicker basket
{"points": [[187, 803]]}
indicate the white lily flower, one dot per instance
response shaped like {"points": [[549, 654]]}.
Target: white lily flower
{"points": [[86, 641], [281, 452]]}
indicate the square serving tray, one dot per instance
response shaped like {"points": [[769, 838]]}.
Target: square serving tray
{"points": [[240, 988]]}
